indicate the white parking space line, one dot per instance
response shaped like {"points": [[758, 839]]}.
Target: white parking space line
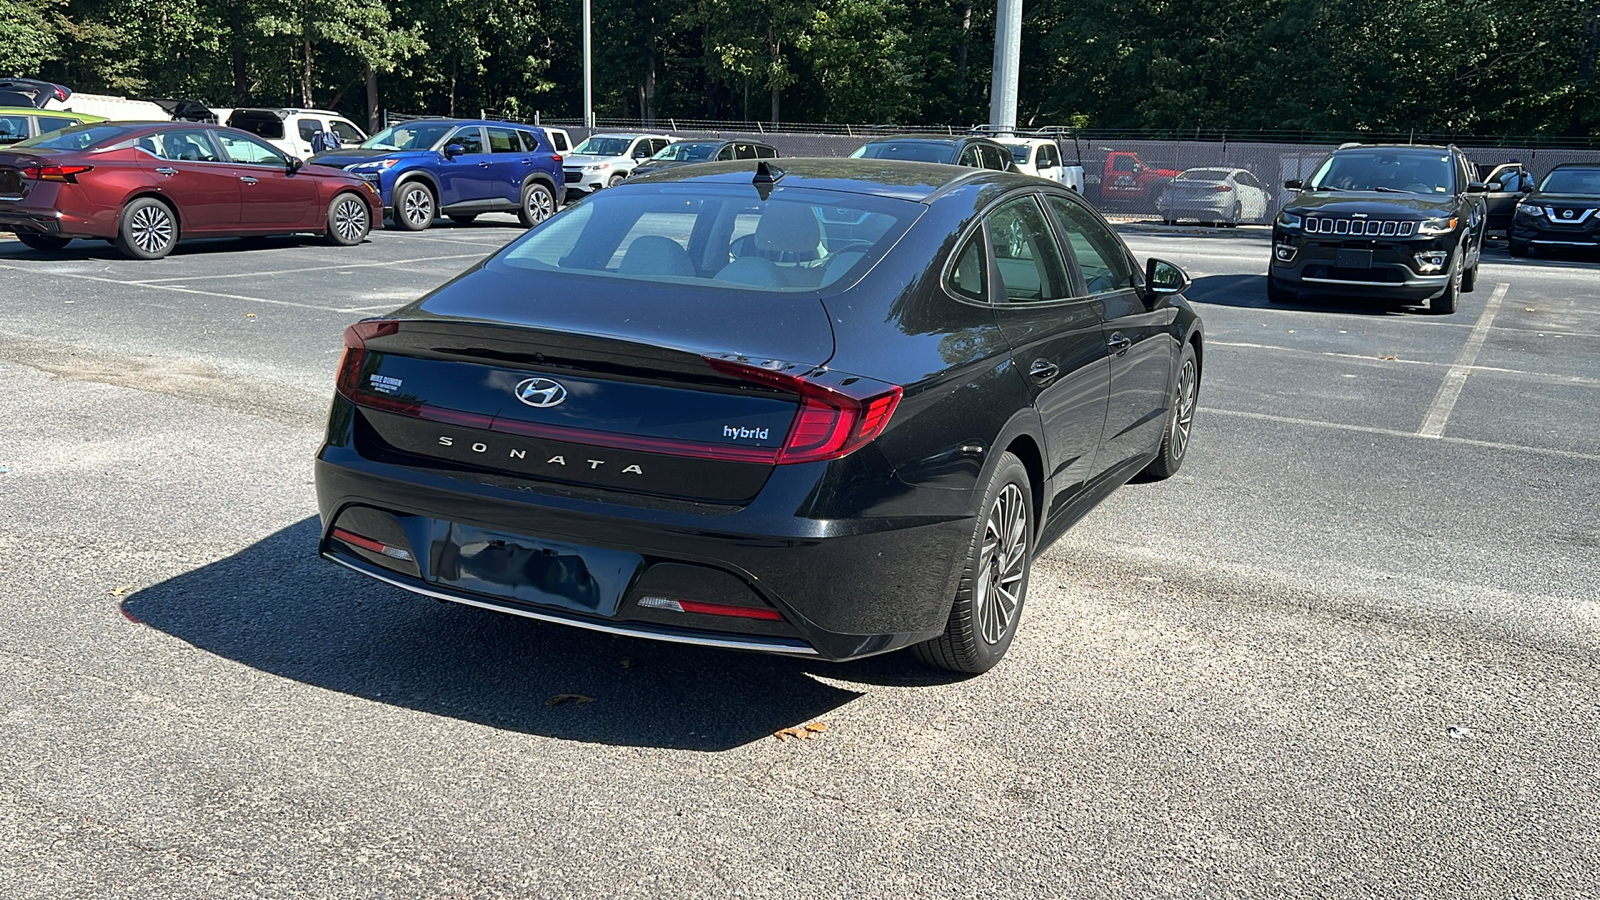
{"points": [[1391, 432], [1357, 357], [269, 274], [1454, 380], [184, 290]]}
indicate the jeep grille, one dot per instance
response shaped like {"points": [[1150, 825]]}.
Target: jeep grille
{"points": [[1360, 227]]}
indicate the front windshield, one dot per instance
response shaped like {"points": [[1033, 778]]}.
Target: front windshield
{"points": [[1203, 175], [410, 136], [911, 151], [716, 237], [604, 146], [80, 138], [1572, 181], [1402, 171], [686, 151]]}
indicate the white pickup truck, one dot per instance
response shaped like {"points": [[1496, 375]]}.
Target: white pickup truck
{"points": [[1041, 158]]}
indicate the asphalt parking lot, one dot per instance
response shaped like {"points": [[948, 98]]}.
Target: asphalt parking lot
{"points": [[1349, 651]]}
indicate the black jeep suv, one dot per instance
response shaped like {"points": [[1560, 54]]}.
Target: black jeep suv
{"points": [[1403, 222]]}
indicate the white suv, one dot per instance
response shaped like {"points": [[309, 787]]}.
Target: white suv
{"points": [[605, 159], [1042, 159], [291, 130]]}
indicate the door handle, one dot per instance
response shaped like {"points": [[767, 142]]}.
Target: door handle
{"points": [[1118, 343], [1043, 370], [166, 170], [483, 165], [247, 179]]}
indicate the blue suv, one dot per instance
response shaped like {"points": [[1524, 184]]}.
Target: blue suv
{"points": [[459, 168]]}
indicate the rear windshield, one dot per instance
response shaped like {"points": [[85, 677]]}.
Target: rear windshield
{"points": [[721, 236], [80, 138], [1386, 170], [1572, 181], [684, 151], [261, 124], [913, 151], [1203, 175]]}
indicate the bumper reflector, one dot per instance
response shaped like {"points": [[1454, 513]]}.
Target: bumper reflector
{"points": [[356, 540], [709, 609]]}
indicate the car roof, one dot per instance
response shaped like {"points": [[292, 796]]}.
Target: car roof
{"points": [[931, 139], [449, 121], [916, 181]]}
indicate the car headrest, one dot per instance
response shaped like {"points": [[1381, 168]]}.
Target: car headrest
{"points": [[789, 232], [653, 254], [751, 270]]}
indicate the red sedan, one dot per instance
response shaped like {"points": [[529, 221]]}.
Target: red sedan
{"points": [[145, 185]]}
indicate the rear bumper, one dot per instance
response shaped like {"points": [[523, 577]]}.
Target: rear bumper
{"points": [[844, 588], [36, 223]]}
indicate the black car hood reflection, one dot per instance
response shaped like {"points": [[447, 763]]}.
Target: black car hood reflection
{"points": [[1336, 203]]}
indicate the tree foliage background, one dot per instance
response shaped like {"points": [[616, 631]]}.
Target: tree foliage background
{"points": [[1470, 66]]}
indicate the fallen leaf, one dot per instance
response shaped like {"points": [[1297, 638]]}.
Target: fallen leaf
{"points": [[1388, 357], [118, 592], [249, 315], [1528, 309], [818, 727], [784, 734], [559, 699]]}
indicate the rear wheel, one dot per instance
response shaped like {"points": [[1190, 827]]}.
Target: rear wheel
{"points": [[994, 580], [1185, 399], [1277, 293], [467, 219], [413, 206], [47, 243], [148, 229], [1234, 215], [538, 204], [348, 221]]}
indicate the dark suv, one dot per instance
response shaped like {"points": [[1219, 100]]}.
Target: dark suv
{"points": [[1402, 222], [1563, 214]]}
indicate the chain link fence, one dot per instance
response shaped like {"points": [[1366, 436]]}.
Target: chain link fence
{"points": [[1136, 165]]}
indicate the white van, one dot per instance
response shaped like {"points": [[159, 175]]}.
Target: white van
{"points": [[291, 130], [116, 109]]}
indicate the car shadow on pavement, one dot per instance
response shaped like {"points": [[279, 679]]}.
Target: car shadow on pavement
{"points": [[277, 607], [96, 249], [1250, 292]]}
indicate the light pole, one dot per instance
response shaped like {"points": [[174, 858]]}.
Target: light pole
{"points": [[588, 72], [1007, 64]]}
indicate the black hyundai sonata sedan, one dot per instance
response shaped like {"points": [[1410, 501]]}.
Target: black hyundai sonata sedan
{"points": [[833, 409]]}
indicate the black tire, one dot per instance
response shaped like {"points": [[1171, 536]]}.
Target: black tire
{"points": [[45, 243], [1445, 303], [1518, 250], [414, 206], [616, 180], [467, 219], [349, 220], [1277, 293], [1180, 424], [1234, 215], [148, 229], [538, 204], [981, 626], [1169, 221]]}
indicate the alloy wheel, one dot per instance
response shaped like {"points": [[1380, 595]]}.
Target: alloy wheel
{"points": [[151, 228], [541, 205], [350, 219], [1183, 417], [997, 590], [417, 207]]}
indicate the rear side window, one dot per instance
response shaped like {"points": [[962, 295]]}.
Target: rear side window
{"points": [[185, 145], [54, 123], [309, 128], [716, 237], [264, 125], [559, 141], [765, 152], [503, 140], [13, 129], [1025, 253], [81, 138], [969, 277], [1100, 254]]}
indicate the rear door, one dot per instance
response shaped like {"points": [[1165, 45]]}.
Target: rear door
{"points": [[271, 196], [1137, 337], [190, 169], [509, 164], [1055, 337]]}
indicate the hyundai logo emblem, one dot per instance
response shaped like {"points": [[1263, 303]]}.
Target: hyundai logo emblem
{"points": [[540, 392]]}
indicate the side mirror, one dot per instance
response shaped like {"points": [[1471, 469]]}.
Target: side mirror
{"points": [[294, 164], [1477, 187], [1047, 164], [451, 151], [1163, 279], [1294, 184]]}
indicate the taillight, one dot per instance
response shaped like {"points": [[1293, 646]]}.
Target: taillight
{"points": [[1223, 188], [557, 158], [355, 351], [68, 174], [834, 420]]}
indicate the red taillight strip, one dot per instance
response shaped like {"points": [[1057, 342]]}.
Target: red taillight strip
{"points": [[833, 420], [710, 609], [366, 543], [67, 174]]}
